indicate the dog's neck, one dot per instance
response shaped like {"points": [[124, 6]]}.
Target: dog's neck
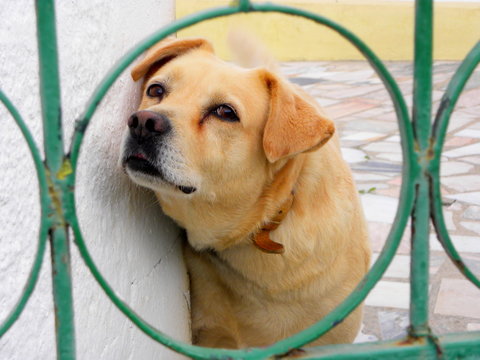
{"points": [[273, 204], [262, 238]]}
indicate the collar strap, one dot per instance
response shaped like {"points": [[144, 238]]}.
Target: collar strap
{"points": [[262, 238]]}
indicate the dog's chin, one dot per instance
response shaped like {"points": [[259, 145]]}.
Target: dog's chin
{"points": [[144, 173]]}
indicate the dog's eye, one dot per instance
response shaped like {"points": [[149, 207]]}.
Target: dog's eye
{"points": [[225, 112], [156, 90]]}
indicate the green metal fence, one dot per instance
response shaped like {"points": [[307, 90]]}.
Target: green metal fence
{"points": [[419, 199]]}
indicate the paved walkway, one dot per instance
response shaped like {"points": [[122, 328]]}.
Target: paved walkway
{"points": [[355, 98]]}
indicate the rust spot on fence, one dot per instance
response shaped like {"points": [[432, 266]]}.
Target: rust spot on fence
{"points": [[81, 126], [410, 340], [460, 265], [292, 354], [65, 169], [336, 322], [56, 209]]}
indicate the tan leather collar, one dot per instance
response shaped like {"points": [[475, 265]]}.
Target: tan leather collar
{"points": [[262, 238]]}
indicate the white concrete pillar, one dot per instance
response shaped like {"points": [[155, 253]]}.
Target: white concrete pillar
{"points": [[134, 245]]}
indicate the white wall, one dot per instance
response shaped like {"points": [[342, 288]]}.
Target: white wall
{"points": [[136, 248]]}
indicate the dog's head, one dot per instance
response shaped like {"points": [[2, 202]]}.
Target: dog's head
{"points": [[208, 128]]}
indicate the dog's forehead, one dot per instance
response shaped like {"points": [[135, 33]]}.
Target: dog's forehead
{"points": [[201, 66]]}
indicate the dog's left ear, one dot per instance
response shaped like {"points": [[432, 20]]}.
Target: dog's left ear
{"points": [[294, 125], [166, 50]]}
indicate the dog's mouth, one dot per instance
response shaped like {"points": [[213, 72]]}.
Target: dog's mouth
{"points": [[139, 163]]}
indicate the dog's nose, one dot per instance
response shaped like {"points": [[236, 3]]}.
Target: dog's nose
{"points": [[145, 124]]}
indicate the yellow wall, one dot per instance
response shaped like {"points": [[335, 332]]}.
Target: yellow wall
{"points": [[385, 25]]}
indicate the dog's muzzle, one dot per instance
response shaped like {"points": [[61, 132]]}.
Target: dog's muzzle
{"points": [[146, 124], [147, 128], [147, 131]]}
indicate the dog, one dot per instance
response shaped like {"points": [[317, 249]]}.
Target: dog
{"points": [[250, 166]]}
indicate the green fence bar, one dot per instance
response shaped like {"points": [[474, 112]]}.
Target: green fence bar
{"points": [[420, 198], [421, 115], [54, 154]]}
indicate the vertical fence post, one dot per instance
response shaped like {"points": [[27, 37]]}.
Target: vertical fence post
{"points": [[54, 155], [421, 119]]}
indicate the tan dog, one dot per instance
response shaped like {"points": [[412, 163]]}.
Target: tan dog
{"points": [[224, 149]]}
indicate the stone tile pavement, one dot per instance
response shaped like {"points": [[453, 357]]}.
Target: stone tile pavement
{"points": [[355, 98]]}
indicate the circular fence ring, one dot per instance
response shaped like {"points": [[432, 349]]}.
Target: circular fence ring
{"points": [[410, 172], [44, 226], [440, 126]]}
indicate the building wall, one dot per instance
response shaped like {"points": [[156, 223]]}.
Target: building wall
{"points": [[134, 245], [386, 26]]}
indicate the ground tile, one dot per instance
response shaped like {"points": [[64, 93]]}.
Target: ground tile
{"points": [[369, 177], [460, 119], [391, 191], [370, 187], [458, 298], [472, 159], [462, 183], [471, 197], [448, 217], [377, 166], [393, 324], [469, 133], [473, 327], [325, 102], [469, 244], [389, 294], [472, 226], [351, 92], [476, 124], [323, 89], [454, 168], [353, 155], [454, 206], [363, 136], [389, 116], [456, 141], [364, 337], [391, 157], [437, 259], [394, 138], [377, 233], [373, 112], [383, 146], [472, 213], [396, 181], [304, 81], [469, 98], [347, 108], [349, 76], [369, 125], [398, 268], [473, 263], [379, 208], [463, 151], [311, 72], [474, 80], [474, 111], [437, 95]]}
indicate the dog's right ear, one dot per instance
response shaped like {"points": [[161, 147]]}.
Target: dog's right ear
{"points": [[166, 50], [294, 124]]}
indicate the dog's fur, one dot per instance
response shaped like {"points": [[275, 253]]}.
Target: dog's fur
{"points": [[242, 171]]}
